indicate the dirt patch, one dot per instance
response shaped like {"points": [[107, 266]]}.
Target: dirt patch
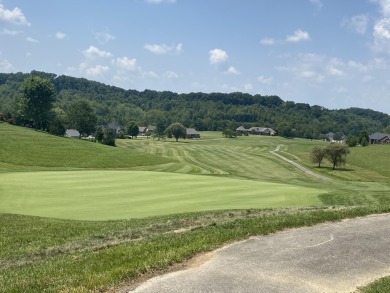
{"points": [[130, 285]]}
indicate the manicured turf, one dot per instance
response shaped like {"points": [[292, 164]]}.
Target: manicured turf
{"points": [[102, 195]]}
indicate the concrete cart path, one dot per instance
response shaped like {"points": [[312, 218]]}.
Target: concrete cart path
{"points": [[300, 167], [331, 257]]}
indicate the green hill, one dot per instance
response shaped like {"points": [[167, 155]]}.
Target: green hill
{"points": [[23, 149], [203, 111]]}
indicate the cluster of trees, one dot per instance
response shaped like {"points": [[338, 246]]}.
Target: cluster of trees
{"points": [[335, 153], [213, 112], [361, 139]]}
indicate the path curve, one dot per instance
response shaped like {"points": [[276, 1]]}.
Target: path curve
{"points": [[330, 257], [300, 167]]}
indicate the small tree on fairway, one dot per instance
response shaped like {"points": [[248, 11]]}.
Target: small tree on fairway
{"points": [[177, 130], [317, 155], [336, 154]]}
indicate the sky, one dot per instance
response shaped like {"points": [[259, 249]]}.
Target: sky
{"points": [[332, 53]]}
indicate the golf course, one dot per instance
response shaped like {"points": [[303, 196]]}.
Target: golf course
{"points": [[78, 216]]}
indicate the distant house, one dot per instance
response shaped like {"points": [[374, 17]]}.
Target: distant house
{"points": [[73, 133], [379, 138], [329, 136], [115, 126], [192, 133], [151, 128], [142, 130], [262, 131], [242, 130]]}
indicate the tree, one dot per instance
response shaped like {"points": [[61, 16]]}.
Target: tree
{"points": [[82, 117], [317, 155], [351, 141], [336, 154], [229, 133], [132, 129], [177, 130], [56, 128], [36, 101], [99, 134], [363, 138], [109, 135]]}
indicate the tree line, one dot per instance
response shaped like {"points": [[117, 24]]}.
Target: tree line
{"points": [[213, 111]]}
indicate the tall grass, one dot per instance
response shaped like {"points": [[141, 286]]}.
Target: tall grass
{"points": [[72, 256]]}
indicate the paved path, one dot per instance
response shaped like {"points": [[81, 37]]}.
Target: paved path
{"points": [[307, 171], [331, 257]]}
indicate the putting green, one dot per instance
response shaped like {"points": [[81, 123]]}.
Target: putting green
{"points": [[104, 195]]}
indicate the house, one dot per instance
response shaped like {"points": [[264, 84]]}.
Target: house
{"points": [[192, 133], [72, 133], [142, 130], [262, 131], [242, 130], [379, 138], [116, 127], [151, 128], [329, 136]]}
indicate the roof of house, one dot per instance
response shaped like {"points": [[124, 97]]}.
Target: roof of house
{"points": [[152, 128], [241, 128], [378, 136], [258, 129], [142, 129], [191, 131], [114, 126], [72, 133]]}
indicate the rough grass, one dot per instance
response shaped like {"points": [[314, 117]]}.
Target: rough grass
{"points": [[48, 255], [26, 149]]}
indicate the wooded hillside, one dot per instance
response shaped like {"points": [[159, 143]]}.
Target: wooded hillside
{"points": [[214, 111]]}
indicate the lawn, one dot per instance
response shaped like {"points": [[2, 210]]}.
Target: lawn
{"points": [[156, 203], [103, 195]]}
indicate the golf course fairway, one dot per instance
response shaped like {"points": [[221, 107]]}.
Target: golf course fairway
{"points": [[110, 195]]}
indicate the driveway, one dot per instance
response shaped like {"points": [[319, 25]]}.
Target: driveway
{"points": [[330, 257]]}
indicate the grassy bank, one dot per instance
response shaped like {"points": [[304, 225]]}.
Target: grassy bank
{"points": [[71, 256]]}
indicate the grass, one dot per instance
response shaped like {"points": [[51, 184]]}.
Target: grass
{"points": [[78, 256], [144, 177], [103, 195], [23, 149]]}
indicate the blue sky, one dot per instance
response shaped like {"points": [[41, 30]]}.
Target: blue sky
{"points": [[332, 53]]}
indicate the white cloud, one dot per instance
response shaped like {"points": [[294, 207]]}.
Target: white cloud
{"points": [[218, 56], [125, 63], [104, 37], [149, 74], [299, 35], [5, 66], [385, 7], [14, 16], [317, 3], [31, 40], [268, 41], [160, 1], [97, 70], [10, 32], [248, 87], [232, 70], [357, 23], [60, 35], [171, 75], [164, 49], [382, 29], [265, 80], [93, 52]]}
